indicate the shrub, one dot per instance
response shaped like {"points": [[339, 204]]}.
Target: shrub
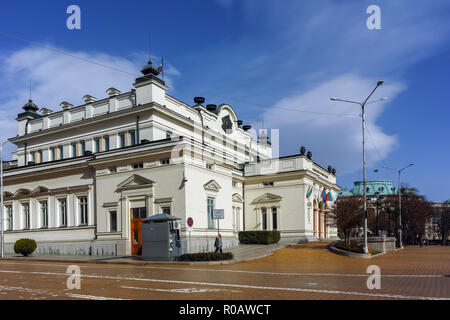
{"points": [[354, 246], [259, 237], [25, 246], [205, 256]]}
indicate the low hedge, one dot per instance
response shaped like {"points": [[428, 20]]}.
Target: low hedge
{"points": [[205, 256], [25, 246], [354, 247], [259, 237]]}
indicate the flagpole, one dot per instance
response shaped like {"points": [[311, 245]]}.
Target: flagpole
{"points": [[162, 64]]}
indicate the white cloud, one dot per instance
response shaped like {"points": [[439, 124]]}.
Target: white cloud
{"points": [[57, 77], [335, 140]]}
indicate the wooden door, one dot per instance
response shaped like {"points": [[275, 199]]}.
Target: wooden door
{"points": [[137, 214]]}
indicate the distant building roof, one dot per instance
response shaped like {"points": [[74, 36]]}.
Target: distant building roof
{"points": [[344, 193], [384, 187]]}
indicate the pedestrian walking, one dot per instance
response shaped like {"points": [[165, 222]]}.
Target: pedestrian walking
{"points": [[218, 243]]}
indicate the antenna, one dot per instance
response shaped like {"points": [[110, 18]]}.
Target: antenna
{"points": [[150, 46], [30, 86]]}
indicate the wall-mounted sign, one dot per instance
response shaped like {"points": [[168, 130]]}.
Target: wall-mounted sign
{"points": [[218, 214]]}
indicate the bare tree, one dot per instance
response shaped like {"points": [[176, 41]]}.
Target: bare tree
{"points": [[346, 215], [416, 212], [442, 220]]}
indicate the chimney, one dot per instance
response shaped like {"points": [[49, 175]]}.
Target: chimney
{"points": [[88, 99], [66, 105], [46, 111], [113, 92]]}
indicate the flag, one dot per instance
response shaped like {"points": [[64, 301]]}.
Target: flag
{"points": [[324, 195], [308, 194], [160, 68], [329, 196]]}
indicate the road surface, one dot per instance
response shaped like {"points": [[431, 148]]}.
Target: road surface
{"points": [[307, 271]]}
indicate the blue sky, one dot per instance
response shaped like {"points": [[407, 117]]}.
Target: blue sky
{"points": [[270, 60]]}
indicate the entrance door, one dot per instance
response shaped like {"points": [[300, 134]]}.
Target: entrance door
{"points": [[137, 214]]}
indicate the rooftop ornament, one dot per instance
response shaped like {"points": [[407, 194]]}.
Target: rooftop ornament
{"points": [[66, 105], [113, 92], [88, 99], [302, 150]]}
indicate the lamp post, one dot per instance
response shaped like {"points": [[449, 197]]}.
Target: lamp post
{"points": [[400, 242], [363, 104], [391, 210]]}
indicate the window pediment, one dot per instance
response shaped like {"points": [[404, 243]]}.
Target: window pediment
{"points": [[237, 198], [212, 185], [135, 181], [267, 198]]}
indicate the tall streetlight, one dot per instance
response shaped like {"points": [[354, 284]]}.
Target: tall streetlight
{"points": [[363, 104], [400, 242]]}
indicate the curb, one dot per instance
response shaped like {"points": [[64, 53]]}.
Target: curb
{"points": [[332, 248], [349, 254], [134, 263], [138, 262]]}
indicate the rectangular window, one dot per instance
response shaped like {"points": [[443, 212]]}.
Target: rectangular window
{"points": [[121, 140], [63, 212], [112, 169], [168, 134], [132, 137], [165, 210], [9, 218], [106, 143], [52, 154], [113, 221], [210, 208], [97, 145], [44, 214], [39, 160], [165, 161], [264, 218], [209, 166], [268, 184], [82, 148], [61, 152], [74, 149], [274, 219], [26, 216], [138, 165], [83, 210]]}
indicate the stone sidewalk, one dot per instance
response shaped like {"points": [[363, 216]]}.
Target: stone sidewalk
{"points": [[242, 252]]}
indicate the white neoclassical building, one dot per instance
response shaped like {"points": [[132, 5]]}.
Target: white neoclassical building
{"points": [[83, 177]]}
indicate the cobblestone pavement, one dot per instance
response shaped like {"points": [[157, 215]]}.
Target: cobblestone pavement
{"points": [[307, 271]]}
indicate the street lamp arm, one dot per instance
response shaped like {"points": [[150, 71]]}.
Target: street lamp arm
{"points": [[377, 100], [411, 164], [342, 100], [378, 84]]}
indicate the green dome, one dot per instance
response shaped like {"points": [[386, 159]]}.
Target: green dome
{"points": [[149, 69], [30, 106], [384, 187], [344, 193]]}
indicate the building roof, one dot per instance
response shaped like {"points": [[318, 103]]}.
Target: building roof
{"points": [[383, 187], [344, 193]]}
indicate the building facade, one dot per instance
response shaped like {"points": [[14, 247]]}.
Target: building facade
{"points": [[85, 176]]}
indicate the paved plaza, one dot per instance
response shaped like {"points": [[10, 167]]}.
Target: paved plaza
{"points": [[307, 271]]}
